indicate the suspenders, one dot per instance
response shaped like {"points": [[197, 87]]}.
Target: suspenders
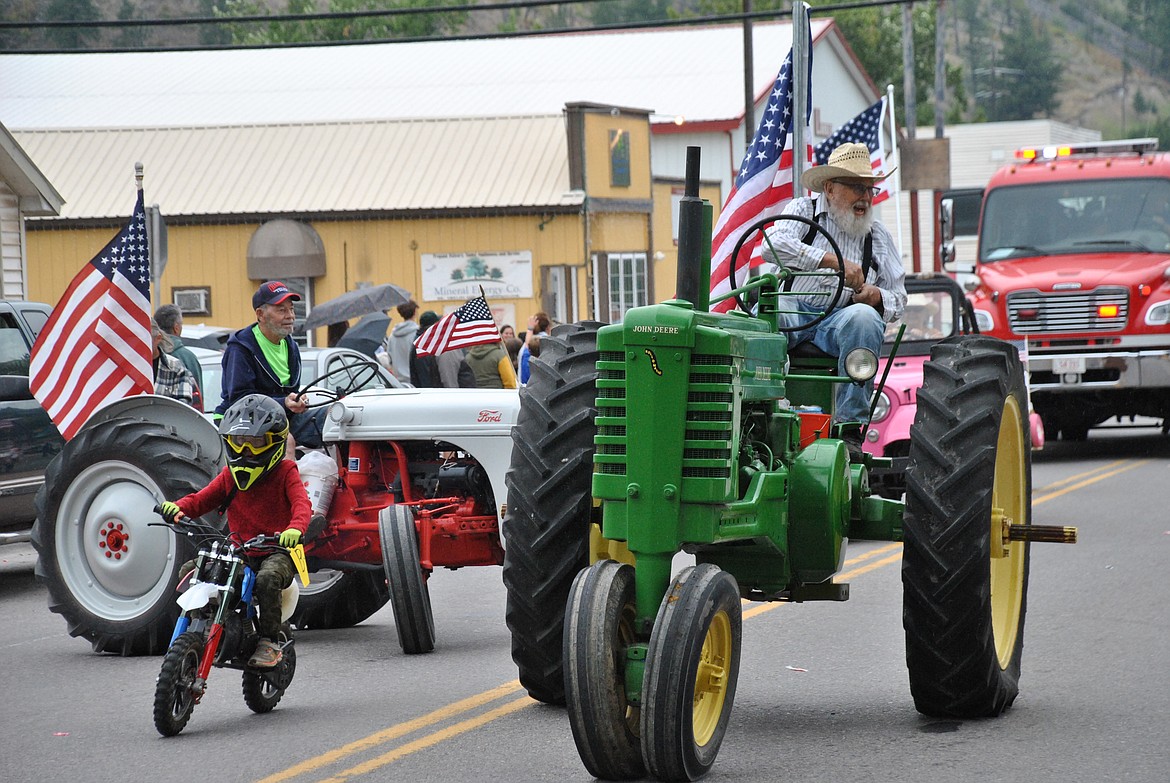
{"points": [[866, 254]]}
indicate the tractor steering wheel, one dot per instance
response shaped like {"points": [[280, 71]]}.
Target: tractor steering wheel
{"points": [[759, 225], [359, 374]]}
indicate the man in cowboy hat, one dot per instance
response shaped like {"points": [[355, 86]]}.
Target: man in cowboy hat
{"points": [[875, 290]]}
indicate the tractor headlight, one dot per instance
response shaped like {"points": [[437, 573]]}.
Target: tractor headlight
{"points": [[861, 365], [881, 408], [984, 320]]}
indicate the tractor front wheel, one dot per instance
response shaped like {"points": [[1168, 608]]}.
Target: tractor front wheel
{"points": [[968, 481], [599, 628], [692, 666], [409, 597]]}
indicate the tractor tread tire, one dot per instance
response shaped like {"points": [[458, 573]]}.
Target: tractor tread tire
{"points": [[951, 654], [550, 501], [178, 466]]}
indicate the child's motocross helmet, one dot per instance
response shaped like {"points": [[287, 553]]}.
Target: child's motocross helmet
{"points": [[255, 429]]}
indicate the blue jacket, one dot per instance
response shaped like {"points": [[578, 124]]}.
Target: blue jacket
{"points": [[246, 371]]}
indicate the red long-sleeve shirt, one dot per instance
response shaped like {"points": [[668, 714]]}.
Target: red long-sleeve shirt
{"points": [[275, 503]]}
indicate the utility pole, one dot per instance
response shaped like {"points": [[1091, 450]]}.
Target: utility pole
{"points": [[910, 112], [940, 99]]}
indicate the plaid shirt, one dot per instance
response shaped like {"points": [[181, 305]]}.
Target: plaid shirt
{"points": [[172, 379]]}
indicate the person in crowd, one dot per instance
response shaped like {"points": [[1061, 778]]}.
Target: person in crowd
{"points": [[424, 370], [492, 368], [875, 290], [512, 345], [263, 359], [170, 319], [171, 378], [507, 332], [263, 494], [538, 326], [401, 340]]}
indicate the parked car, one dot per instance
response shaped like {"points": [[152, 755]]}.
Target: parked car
{"points": [[203, 336], [936, 308], [342, 367], [28, 438]]}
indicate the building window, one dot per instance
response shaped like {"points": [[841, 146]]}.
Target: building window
{"points": [[304, 287], [559, 293], [620, 282]]}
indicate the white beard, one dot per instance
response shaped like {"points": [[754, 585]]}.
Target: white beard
{"points": [[850, 223]]}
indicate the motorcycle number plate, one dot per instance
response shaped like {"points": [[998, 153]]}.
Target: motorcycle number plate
{"points": [[1064, 365]]}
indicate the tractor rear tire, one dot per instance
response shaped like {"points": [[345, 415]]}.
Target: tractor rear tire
{"points": [[964, 588], [550, 501], [340, 599], [409, 597], [598, 630], [692, 666], [109, 573]]}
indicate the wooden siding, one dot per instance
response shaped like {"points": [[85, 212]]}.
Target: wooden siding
{"points": [[12, 284]]}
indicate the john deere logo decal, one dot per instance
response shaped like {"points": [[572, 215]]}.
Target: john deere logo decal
{"points": [[653, 361]]}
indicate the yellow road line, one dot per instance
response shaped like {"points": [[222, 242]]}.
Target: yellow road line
{"points": [[393, 732], [1078, 476], [1125, 465], [431, 739]]}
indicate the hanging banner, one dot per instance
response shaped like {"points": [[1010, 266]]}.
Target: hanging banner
{"points": [[505, 275]]}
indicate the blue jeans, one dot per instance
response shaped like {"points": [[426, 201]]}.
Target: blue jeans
{"points": [[846, 328]]}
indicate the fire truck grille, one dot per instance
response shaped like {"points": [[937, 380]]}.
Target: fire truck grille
{"points": [[1103, 309]]}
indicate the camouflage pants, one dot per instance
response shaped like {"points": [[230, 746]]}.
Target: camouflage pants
{"points": [[274, 574]]}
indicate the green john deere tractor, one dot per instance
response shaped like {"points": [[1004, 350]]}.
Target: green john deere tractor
{"points": [[683, 430]]}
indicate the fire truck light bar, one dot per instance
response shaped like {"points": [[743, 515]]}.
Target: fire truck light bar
{"points": [[1052, 151]]}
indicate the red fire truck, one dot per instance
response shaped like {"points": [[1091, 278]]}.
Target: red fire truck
{"points": [[1074, 260]]}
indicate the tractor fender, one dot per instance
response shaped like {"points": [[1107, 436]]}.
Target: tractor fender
{"points": [[192, 424]]}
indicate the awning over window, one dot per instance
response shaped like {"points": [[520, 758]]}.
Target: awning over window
{"points": [[285, 248]]}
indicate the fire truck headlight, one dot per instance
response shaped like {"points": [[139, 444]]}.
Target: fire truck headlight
{"points": [[1159, 314], [881, 409], [984, 320], [860, 365]]}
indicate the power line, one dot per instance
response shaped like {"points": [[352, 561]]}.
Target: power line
{"points": [[349, 15]]}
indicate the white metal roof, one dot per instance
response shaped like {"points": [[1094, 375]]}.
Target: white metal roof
{"points": [[694, 72], [321, 168]]}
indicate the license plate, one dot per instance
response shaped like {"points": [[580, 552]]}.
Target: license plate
{"points": [[1068, 364]]}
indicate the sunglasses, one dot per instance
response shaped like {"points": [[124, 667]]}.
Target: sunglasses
{"points": [[858, 190]]}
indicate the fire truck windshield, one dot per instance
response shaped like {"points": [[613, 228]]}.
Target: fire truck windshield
{"points": [[1093, 215]]}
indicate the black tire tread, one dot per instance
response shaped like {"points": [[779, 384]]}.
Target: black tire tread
{"points": [[409, 597], [950, 645], [355, 597], [167, 723], [550, 499]]}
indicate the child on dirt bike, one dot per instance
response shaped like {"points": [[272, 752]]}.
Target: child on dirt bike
{"points": [[259, 488]]}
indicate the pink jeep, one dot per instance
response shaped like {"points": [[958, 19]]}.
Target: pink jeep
{"points": [[936, 308]]}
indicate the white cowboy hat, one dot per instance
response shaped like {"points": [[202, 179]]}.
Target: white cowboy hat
{"points": [[849, 160]]}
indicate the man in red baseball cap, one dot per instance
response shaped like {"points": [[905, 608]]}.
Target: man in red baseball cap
{"points": [[264, 359]]}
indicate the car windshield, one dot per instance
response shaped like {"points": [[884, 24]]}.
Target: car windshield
{"points": [[930, 315], [1103, 216]]}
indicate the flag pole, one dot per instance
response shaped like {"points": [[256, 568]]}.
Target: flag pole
{"points": [[898, 171], [801, 51], [509, 369]]}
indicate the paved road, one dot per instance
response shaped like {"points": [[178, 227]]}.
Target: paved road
{"points": [[822, 694]]}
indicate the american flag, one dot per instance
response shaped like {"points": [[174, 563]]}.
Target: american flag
{"points": [[762, 187], [96, 346], [471, 324], [865, 128]]}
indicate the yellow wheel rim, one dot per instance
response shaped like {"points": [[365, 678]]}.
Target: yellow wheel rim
{"points": [[1009, 506], [711, 678]]}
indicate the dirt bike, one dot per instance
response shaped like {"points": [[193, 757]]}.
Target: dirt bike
{"points": [[218, 626]]}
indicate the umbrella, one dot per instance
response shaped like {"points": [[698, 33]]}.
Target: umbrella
{"points": [[353, 304], [367, 334]]}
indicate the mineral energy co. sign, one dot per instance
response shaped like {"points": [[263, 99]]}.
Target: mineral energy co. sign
{"points": [[459, 276]]}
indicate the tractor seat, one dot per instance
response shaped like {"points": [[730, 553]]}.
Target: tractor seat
{"points": [[809, 350]]}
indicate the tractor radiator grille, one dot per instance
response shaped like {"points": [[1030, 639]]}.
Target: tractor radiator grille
{"points": [[710, 410], [1104, 309], [610, 441]]}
